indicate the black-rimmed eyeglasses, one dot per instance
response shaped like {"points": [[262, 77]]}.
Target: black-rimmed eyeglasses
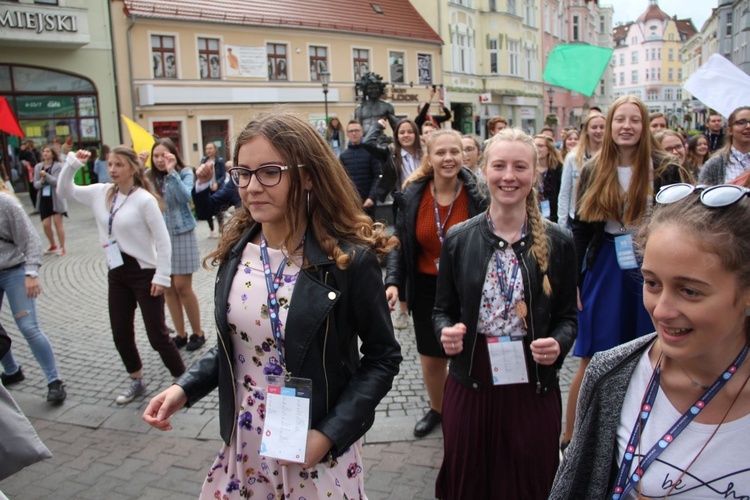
{"points": [[722, 195], [267, 175]]}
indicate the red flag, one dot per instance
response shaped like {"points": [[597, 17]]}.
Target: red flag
{"points": [[8, 122]]}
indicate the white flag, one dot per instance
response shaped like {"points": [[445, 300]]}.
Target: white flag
{"points": [[720, 85]]}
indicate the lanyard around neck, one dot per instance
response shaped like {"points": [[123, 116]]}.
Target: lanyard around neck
{"points": [[113, 211], [626, 481], [440, 225], [507, 293], [273, 281]]}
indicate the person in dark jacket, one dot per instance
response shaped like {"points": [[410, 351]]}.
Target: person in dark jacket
{"points": [[733, 159], [615, 191], [715, 132], [505, 314], [363, 168], [438, 195], [218, 167], [424, 113], [298, 288], [550, 175]]}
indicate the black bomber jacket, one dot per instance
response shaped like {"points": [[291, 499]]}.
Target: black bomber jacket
{"points": [[466, 253], [330, 309]]}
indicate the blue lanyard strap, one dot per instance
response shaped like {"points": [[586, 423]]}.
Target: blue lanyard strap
{"points": [[441, 225], [625, 481], [273, 281], [112, 211], [507, 293]]}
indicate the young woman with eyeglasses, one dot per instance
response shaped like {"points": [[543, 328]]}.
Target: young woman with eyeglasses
{"points": [[668, 414], [614, 194], [733, 159], [299, 295], [472, 153], [591, 142], [673, 144]]}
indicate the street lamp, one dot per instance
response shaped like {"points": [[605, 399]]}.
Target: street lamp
{"points": [[551, 95], [325, 78]]}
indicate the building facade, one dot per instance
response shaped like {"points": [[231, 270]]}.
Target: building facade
{"points": [[492, 60], [196, 72], [647, 61], [57, 72], [570, 22]]}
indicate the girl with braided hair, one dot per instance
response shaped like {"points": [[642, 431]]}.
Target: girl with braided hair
{"points": [[505, 313]]}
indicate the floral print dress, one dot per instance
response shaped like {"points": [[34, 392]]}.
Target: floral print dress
{"points": [[239, 471]]}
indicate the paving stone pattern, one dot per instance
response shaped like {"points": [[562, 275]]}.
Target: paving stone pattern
{"points": [[103, 450]]}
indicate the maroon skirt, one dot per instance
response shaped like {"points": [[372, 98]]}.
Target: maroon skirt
{"points": [[501, 442]]}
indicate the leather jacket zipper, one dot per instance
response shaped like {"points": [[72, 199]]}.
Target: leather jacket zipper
{"points": [[531, 323], [234, 389], [474, 344], [325, 349]]}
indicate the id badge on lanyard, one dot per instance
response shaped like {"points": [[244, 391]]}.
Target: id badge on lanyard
{"points": [[112, 252], [625, 252], [507, 360], [47, 190], [546, 209], [287, 422]]}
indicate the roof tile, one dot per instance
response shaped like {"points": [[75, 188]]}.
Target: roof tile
{"points": [[399, 18]]}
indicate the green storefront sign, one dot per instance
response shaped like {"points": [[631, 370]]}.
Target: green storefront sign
{"points": [[45, 106]]}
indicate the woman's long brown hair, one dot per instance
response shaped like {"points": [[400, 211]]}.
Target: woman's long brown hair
{"points": [[334, 209]]}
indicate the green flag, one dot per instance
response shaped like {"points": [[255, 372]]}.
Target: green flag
{"points": [[577, 67]]}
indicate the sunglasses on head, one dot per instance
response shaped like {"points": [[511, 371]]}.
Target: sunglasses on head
{"points": [[719, 196]]}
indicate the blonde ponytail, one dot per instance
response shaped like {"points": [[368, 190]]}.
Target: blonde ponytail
{"points": [[540, 247]]}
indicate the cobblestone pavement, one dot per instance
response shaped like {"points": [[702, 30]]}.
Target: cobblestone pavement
{"points": [[102, 450]]}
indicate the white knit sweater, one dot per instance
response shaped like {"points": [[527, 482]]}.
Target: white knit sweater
{"points": [[138, 227]]}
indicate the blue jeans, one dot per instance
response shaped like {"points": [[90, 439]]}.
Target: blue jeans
{"points": [[13, 283]]}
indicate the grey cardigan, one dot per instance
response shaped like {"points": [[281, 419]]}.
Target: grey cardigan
{"points": [[714, 171], [19, 241], [590, 465], [59, 205]]}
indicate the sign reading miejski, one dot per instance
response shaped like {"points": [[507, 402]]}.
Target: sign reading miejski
{"points": [[38, 21]]}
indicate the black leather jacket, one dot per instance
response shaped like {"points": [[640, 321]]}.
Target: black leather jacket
{"points": [[330, 308], [402, 262], [467, 251]]}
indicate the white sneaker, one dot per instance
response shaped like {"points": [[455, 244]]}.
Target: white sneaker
{"points": [[401, 321], [137, 387]]}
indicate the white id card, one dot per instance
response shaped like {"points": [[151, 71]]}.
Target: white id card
{"points": [[112, 252], [287, 421], [335, 143], [507, 360], [546, 210], [625, 253], [47, 190]]}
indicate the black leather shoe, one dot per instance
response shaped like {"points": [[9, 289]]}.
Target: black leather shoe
{"points": [[431, 420], [196, 342], [56, 394], [13, 378]]}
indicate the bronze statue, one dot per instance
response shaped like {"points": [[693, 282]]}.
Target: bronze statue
{"points": [[373, 108]]}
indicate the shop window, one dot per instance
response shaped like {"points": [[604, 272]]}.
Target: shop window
{"points": [[209, 58], [216, 132], [170, 130], [318, 62], [277, 61], [361, 60], [163, 56]]}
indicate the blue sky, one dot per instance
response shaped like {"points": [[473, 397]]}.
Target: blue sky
{"points": [[697, 10]]}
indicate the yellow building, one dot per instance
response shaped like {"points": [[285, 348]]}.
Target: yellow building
{"points": [[492, 62], [196, 71]]}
